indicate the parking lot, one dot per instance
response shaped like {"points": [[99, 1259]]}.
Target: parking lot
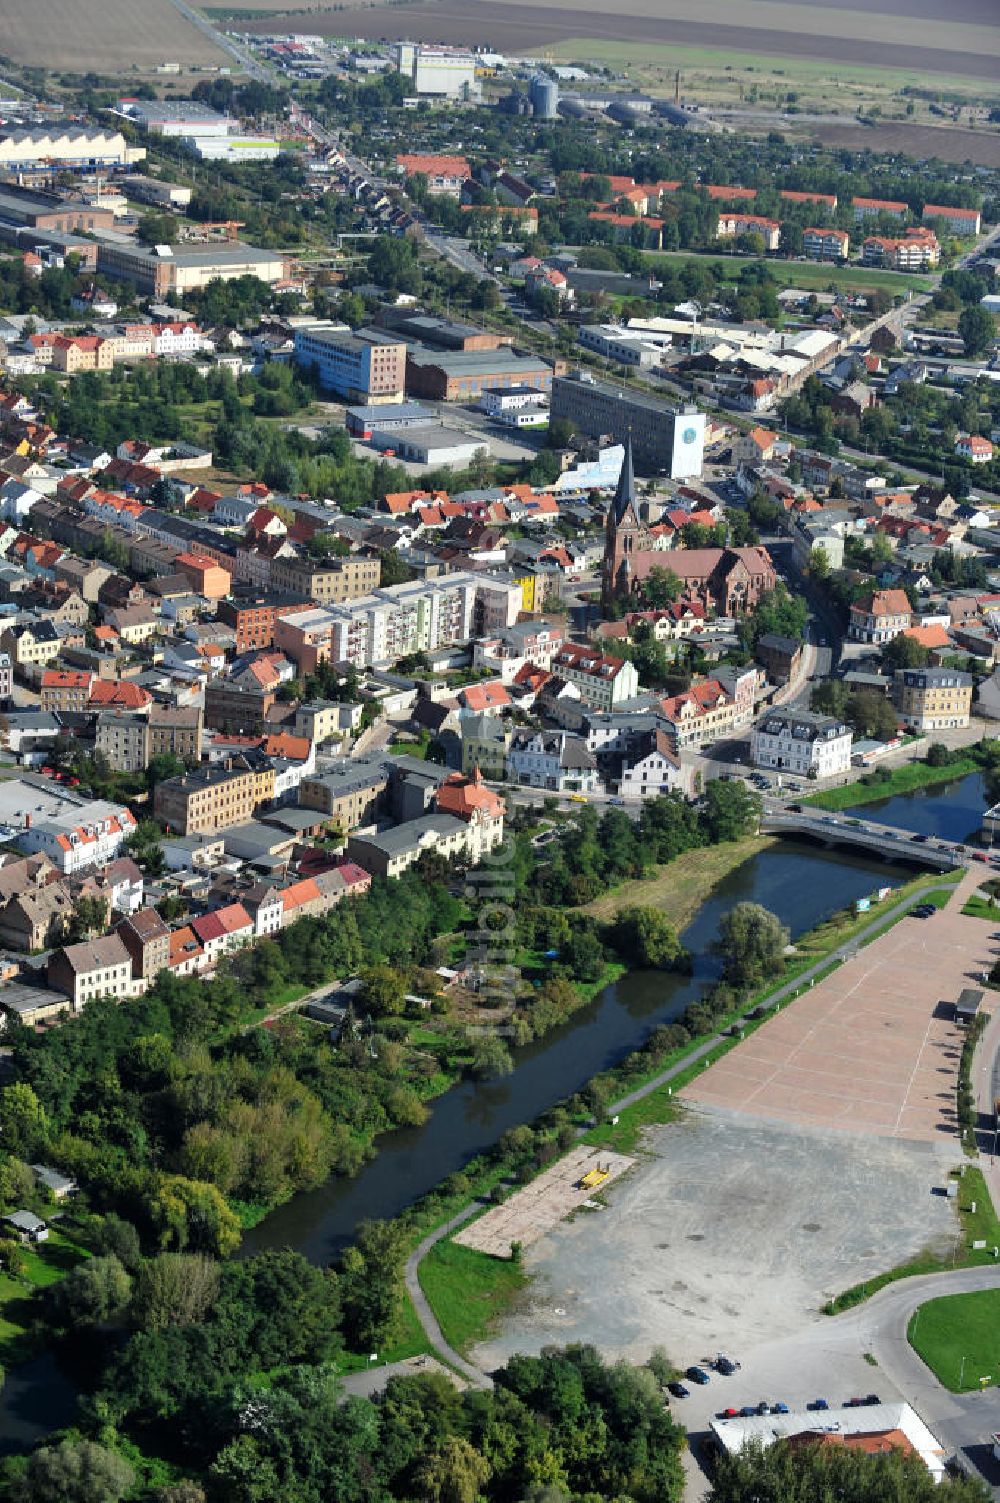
{"points": [[873, 1045], [729, 1236]]}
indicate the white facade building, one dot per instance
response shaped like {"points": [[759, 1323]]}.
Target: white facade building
{"points": [[799, 742]]}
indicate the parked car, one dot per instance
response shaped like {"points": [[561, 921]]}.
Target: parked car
{"points": [[697, 1375], [728, 1413], [871, 1398], [748, 1411], [818, 1404], [779, 1408], [678, 1390], [726, 1365]]}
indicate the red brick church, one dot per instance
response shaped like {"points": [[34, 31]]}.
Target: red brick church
{"points": [[728, 581]]}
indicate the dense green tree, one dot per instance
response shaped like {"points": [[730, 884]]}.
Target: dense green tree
{"points": [[804, 1474], [371, 1284], [174, 1289], [904, 652], [491, 1058], [645, 937], [752, 944], [978, 330], [732, 809], [77, 1471], [94, 1291]]}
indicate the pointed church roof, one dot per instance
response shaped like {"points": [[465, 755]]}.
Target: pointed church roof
{"points": [[625, 495]]}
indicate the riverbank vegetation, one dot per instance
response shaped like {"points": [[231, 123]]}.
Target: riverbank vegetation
{"points": [[908, 777], [219, 1382]]}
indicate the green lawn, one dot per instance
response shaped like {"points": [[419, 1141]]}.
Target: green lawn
{"points": [[811, 276], [46, 1264], [904, 779], [958, 1336], [468, 1291], [409, 1341], [983, 908]]}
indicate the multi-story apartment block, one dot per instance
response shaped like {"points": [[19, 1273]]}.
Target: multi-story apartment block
{"points": [[802, 743], [700, 714], [485, 743], [959, 221], [555, 760], [147, 939], [467, 798], [176, 729], [825, 244], [604, 682], [253, 618], [65, 689], [212, 798], [879, 616], [932, 699], [326, 584], [123, 739], [392, 852], [916, 251], [731, 225], [350, 794], [99, 968], [78, 834], [367, 368], [873, 208], [382, 627], [31, 644], [321, 721]]}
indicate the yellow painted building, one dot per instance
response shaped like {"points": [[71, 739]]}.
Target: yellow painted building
{"points": [[932, 699]]}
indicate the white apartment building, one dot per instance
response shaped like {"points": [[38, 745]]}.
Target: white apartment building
{"points": [[802, 743], [88, 835], [390, 623]]}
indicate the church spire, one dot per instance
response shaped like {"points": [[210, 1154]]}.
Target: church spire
{"points": [[625, 496]]}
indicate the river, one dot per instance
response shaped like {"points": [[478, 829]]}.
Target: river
{"points": [[799, 882]]}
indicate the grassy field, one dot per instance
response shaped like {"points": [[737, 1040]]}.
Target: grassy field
{"points": [[978, 907], [958, 1337], [109, 37], [810, 276], [680, 888], [468, 1291], [905, 779], [701, 64]]}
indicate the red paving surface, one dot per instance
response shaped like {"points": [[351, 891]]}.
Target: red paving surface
{"points": [[862, 1050]]}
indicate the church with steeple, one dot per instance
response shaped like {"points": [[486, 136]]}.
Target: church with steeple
{"points": [[625, 535], [726, 581]]}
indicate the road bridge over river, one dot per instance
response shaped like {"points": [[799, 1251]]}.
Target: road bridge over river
{"points": [[881, 840]]}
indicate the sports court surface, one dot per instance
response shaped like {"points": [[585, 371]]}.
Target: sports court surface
{"points": [[873, 1046]]}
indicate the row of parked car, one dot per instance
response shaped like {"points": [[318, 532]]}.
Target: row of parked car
{"points": [[764, 1407]]}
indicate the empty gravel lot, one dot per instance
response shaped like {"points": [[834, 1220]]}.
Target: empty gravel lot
{"points": [[731, 1233]]}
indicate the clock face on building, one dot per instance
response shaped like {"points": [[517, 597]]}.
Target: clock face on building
{"points": [[689, 435]]}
